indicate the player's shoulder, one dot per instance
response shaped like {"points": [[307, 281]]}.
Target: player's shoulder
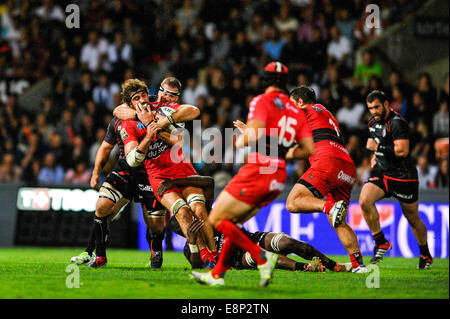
{"points": [[397, 121]]}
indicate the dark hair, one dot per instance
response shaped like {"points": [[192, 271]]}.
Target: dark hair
{"points": [[305, 93], [377, 94]]}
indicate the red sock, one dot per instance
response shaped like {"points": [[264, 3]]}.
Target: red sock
{"points": [[230, 230], [225, 258], [215, 254], [204, 254], [356, 259], [327, 207]]}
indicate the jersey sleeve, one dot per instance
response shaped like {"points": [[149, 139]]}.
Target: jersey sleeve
{"points": [[304, 130], [128, 132], [399, 129], [258, 109], [110, 136]]}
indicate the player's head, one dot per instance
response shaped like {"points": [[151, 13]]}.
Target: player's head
{"points": [[169, 90], [275, 74], [378, 105], [134, 91], [303, 96]]}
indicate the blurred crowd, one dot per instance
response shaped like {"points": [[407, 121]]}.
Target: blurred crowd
{"points": [[217, 49]]}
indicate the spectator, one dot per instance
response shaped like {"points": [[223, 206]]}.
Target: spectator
{"points": [[78, 175], [220, 47], [284, 22], [345, 23], [420, 111], [364, 71], [120, 54], [99, 136], [441, 179], [398, 103], [428, 91], [355, 149], [82, 91], [9, 171], [51, 172], [443, 95], [350, 115], [339, 51], [440, 121], [422, 141], [426, 173], [94, 52], [104, 91], [365, 33], [256, 29], [186, 15], [272, 46]]}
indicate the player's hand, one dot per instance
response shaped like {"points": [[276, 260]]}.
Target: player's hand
{"points": [[193, 230], [95, 181], [373, 161], [144, 113], [152, 130], [241, 126], [290, 153], [371, 145]]}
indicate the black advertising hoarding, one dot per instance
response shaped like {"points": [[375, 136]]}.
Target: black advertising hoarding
{"points": [[52, 216]]}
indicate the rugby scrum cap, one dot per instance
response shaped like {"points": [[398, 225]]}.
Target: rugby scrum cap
{"points": [[275, 73]]}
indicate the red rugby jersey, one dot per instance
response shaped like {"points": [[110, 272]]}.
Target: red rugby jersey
{"points": [[284, 121], [328, 139]]}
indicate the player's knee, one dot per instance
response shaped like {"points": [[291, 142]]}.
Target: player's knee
{"points": [[214, 220], [366, 203]]}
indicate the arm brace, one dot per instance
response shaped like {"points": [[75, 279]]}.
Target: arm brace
{"points": [[135, 157]]}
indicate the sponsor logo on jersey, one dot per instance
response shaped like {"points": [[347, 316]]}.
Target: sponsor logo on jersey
{"points": [[275, 186], [346, 178], [318, 109], [278, 103], [123, 134], [156, 149], [145, 188]]}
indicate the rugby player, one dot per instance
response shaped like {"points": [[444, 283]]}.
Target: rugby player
{"points": [[279, 243], [274, 122], [142, 145], [331, 175], [393, 175], [130, 182]]}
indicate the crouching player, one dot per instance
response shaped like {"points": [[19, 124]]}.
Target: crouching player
{"points": [[279, 243]]}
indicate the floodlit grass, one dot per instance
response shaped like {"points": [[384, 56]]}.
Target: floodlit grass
{"points": [[29, 273]]}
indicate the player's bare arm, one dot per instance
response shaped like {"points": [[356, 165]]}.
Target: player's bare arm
{"points": [[371, 144], [303, 149], [185, 113], [100, 159], [135, 151], [251, 132], [124, 112]]}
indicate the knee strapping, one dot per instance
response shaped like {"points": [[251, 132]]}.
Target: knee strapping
{"points": [[249, 260], [110, 193], [177, 205], [275, 241], [195, 198], [157, 214]]}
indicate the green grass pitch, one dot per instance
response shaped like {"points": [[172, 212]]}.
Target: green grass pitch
{"points": [[29, 273]]}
